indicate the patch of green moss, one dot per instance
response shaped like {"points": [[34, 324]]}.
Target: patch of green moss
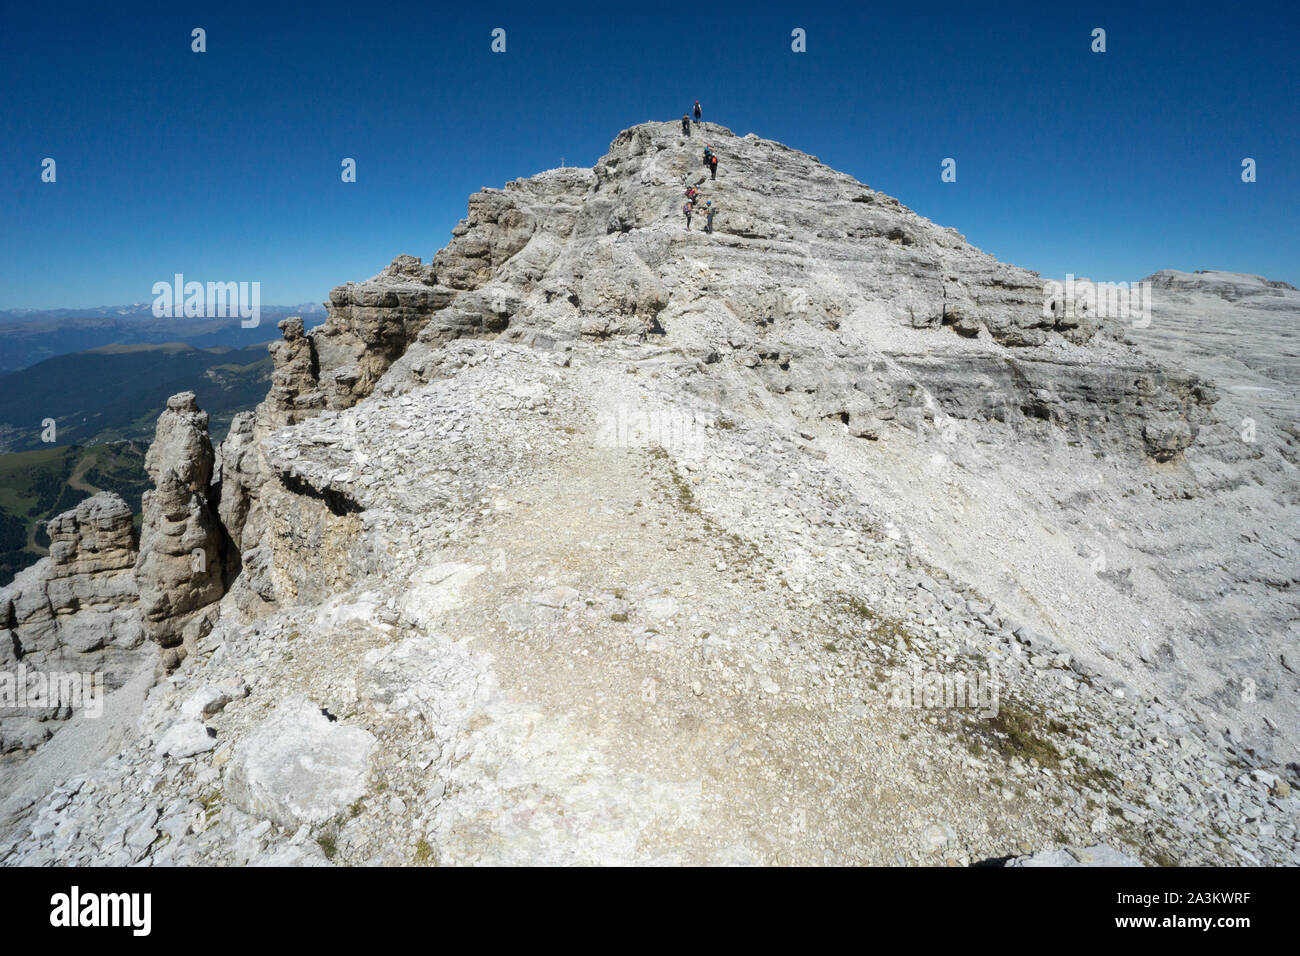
{"points": [[328, 845], [1014, 732]]}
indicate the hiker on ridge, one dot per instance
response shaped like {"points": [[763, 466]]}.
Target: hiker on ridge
{"points": [[713, 166], [697, 111], [686, 125]]}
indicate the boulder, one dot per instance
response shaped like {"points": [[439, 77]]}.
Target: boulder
{"points": [[299, 767], [185, 738]]}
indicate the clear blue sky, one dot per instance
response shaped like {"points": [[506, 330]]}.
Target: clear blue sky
{"points": [[225, 165]]}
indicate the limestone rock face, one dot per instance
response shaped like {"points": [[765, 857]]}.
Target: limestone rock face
{"points": [[92, 550], [294, 393], [370, 325], [179, 567], [181, 444], [799, 257], [94, 537], [246, 488], [802, 261], [72, 612], [610, 542]]}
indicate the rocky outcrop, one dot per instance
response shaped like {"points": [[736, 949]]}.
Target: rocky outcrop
{"points": [[90, 608], [90, 605], [371, 324], [71, 613], [1122, 409], [179, 567], [294, 392], [92, 550]]}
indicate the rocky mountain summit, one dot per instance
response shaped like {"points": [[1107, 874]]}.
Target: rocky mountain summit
{"points": [[823, 537]]}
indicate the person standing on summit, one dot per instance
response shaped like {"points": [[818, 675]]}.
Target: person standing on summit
{"points": [[698, 111]]}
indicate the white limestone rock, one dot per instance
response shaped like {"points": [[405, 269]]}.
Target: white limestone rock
{"points": [[298, 766]]}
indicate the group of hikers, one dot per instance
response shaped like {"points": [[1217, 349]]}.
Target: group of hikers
{"points": [[710, 160], [692, 198], [686, 120], [711, 164]]}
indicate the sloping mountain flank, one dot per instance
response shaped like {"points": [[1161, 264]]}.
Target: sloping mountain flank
{"points": [[820, 537]]}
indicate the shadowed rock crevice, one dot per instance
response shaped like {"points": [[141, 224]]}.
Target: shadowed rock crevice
{"points": [[336, 501]]}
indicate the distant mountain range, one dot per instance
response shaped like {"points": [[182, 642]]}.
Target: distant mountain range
{"points": [[28, 336]]}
